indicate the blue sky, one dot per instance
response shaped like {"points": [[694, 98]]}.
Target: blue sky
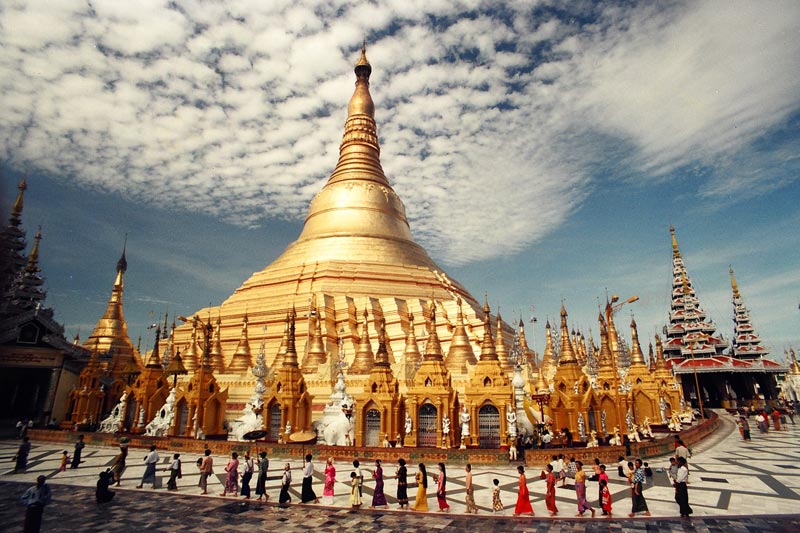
{"points": [[542, 150]]}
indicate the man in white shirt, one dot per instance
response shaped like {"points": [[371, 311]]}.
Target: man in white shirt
{"points": [[681, 491], [359, 476], [150, 462]]}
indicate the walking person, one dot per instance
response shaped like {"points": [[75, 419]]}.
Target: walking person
{"points": [[360, 476], [174, 472], [402, 484], [638, 503], [206, 469], [580, 490], [681, 491], [470, 496], [261, 482], [34, 499], [378, 497], [744, 425], [550, 493], [118, 466], [247, 475], [76, 456], [286, 481], [232, 479], [355, 494], [602, 477], [441, 489], [421, 499], [64, 461], [307, 494], [523, 496], [330, 480], [21, 458], [497, 504], [150, 462], [605, 497]]}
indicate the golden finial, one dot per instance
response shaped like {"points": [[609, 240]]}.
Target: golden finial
{"points": [[33, 258], [16, 210], [675, 251], [734, 285], [362, 61]]}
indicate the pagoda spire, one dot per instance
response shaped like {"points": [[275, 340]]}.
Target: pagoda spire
{"points": [[500, 345], [746, 342], [566, 353], [637, 357], [652, 357], [548, 357], [315, 355], [111, 331], [488, 352], [217, 357], [242, 358], [154, 361], [364, 358], [794, 368], [605, 359], [290, 357], [661, 362], [433, 349], [460, 352], [382, 355], [523, 342], [16, 210]]}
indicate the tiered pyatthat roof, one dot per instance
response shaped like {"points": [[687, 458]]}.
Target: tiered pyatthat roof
{"points": [[746, 343], [690, 332]]}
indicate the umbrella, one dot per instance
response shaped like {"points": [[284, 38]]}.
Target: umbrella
{"points": [[302, 436], [255, 435]]}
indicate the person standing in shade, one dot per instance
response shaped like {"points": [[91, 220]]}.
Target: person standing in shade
{"points": [[22, 455], [330, 480], [103, 494], [206, 469], [232, 479], [580, 490], [523, 496], [681, 491], [402, 484], [261, 482], [355, 495], [441, 489], [307, 494], [550, 494], [421, 499], [118, 466], [174, 472], [286, 482], [247, 475], [470, 496], [378, 497], [638, 505], [34, 499], [76, 457], [150, 462]]}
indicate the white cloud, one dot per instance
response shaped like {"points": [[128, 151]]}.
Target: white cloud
{"points": [[238, 108]]}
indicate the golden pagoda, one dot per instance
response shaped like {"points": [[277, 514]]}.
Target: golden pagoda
{"points": [[288, 394], [644, 392], [569, 382], [431, 394], [149, 391], [110, 336], [355, 246], [86, 401], [489, 394], [380, 402], [242, 359]]}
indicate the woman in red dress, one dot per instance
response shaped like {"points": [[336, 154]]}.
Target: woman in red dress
{"points": [[523, 497], [441, 489], [550, 495]]}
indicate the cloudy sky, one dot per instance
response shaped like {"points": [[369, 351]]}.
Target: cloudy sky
{"points": [[541, 149]]}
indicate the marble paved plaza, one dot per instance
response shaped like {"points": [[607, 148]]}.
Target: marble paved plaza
{"points": [[734, 486]]}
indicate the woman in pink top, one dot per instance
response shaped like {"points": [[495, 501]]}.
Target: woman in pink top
{"points": [[330, 479], [232, 479]]}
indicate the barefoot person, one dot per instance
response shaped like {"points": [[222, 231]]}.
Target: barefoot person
{"points": [[441, 489], [421, 499], [523, 496], [550, 494], [638, 503], [261, 482], [470, 496], [308, 494], [580, 490], [402, 484]]}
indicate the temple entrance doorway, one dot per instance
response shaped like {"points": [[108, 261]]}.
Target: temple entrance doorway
{"points": [[426, 426], [489, 426], [372, 429], [274, 422], [130, 413]]}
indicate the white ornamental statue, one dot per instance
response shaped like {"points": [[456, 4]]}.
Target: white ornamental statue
{"points": [[160, 425], [464, 418], [511, 420], [408, 425], [112, 422]]}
